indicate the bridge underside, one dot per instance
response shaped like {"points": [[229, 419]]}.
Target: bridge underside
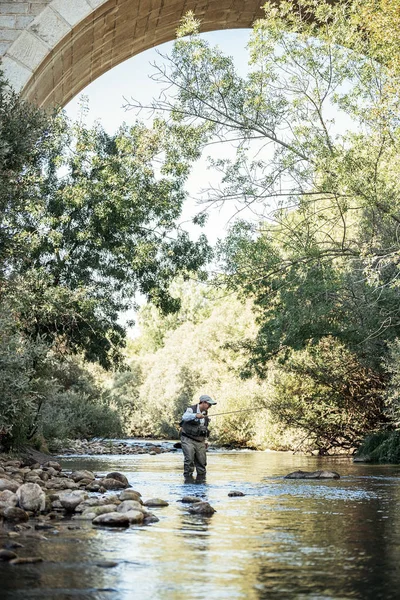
{"points": [[72, 42]]}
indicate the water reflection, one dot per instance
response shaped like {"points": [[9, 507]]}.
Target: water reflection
{"points": [[285, 539]]}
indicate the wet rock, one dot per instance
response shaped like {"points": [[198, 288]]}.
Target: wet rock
{"points": [[313, 475], [128, 505], [235, 493], [7, 555], [28, 560], [13, 513], [136, 517], [111, 484], [119, 477], [155, 502], [31, 497], [202, 508], [106, 564], [11, 545], [92, 487], [79, 475], [8, 484], [8, 498], [95, 511], [71, 501], [52, 464], [150, 518], [190, 499], [130, 495], [112, 519]]}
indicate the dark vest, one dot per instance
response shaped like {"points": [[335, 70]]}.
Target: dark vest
{"points": [[193, 429]]}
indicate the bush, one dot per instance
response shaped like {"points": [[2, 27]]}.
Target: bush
{"points": [[381, 447]]}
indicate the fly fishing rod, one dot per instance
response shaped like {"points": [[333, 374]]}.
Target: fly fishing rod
{"points": [[231, 412]]}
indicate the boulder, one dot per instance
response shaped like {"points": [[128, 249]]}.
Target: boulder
{"points": [[234, 494], [111, 484], [136, 517], [313, 475], [31, 497], [8, 484], [190, 499], [130, 495], [128, 505], [7, 555], [94, 511], [119, 477], [202, 508], [79, 475], [8, 498], [155, 502], [70, 501], [52, 464], [13, 513], [112, 519]]}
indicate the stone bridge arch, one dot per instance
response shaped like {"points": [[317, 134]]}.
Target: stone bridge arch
{"points": [[52, 49]]}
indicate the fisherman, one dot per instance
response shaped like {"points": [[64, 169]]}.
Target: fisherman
{"points": [[194, 434]]}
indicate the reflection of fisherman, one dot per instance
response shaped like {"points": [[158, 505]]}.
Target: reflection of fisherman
{"points": [[193, 438]]}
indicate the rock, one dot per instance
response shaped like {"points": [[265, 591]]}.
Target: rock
{"points": [[130, 495], [79, 475], [8, 498], [52, 464], [92, 487], [119, 477], [202, 508], [106, 564], [154, 502], [136, 517], [190, 499], [112, 519], [7, 555], [112, 484], [31, 497], [8, 484], [13, 513], [150, 518], [313, 475], [95, 511], [26, 561], [234, 493], [70, 501], [128, 505]]}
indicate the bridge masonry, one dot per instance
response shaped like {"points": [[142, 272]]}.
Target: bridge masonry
{"points": [[51, 49]]}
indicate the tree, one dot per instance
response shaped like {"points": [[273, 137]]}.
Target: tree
{"points": [[99, 225]]}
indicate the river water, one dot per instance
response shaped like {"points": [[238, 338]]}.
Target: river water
{"points": [[285, 539]]}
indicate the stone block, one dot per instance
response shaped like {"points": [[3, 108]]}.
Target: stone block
{"points": [[50, 27], [72, 11], [29, 50], [17, 74]]}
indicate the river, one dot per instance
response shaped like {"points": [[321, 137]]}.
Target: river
{"points": [[285, 539]]}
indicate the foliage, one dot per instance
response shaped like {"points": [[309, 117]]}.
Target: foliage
{"points": [[326, 392], [381, 447]]}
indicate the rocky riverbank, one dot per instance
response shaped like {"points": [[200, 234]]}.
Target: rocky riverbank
{"points": [[91, 447], [36, 497]]}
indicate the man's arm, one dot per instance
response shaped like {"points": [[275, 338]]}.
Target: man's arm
{"points": [[189, 415]]}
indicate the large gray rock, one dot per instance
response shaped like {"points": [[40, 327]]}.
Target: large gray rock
{"points": [[130, 495], [13, 513], [8, 498], [111, 484], [136, 517], [70, 501], [8, 484], [313, 475], [154, 502], [94, 511], [31, 497], [112, 519], [79, 475], [52, 464], [202, 508], [128, 505], [119, 477]]}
